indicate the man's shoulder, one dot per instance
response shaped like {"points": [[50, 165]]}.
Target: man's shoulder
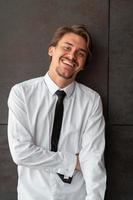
{"points": [[86, 91], [27, 87], [30, 83]]}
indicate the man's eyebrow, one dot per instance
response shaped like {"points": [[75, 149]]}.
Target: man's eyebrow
{"points": [[81, 49], [68, 43]]}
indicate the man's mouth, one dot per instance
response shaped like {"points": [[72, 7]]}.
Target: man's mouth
{"points": [[69, 62]]}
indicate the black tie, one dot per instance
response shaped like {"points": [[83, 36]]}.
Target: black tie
{"points": [[57, 128], [57, 120]]}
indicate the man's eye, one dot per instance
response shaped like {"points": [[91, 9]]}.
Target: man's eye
{"points": [[81, 54], [67, 48]]}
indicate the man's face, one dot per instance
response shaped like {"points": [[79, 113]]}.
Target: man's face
{"points": [[68, 56]]}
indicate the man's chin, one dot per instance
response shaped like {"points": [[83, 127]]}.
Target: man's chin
{"points": [[65, 75]]}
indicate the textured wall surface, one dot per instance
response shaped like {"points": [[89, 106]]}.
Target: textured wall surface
{"points": [[120, 117], [26, 29]]}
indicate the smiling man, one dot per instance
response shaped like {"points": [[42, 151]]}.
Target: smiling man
{"points": [[56, 126]]}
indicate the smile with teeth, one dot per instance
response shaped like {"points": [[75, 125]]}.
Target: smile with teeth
{"points": [[68, 62]]}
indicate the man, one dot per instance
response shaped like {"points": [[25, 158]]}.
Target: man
{"points": [[73, 167]]}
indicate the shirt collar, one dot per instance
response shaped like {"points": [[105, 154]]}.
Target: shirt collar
{"points": [[53, 87]]}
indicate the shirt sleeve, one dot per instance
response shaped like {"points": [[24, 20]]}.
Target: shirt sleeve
{"points": [[23, 149], [92, 153]]}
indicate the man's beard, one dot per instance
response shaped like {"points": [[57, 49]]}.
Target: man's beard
{"points": [[63, 75]]}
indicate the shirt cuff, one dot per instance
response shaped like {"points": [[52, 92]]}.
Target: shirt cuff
{"points": [[69, 164]]}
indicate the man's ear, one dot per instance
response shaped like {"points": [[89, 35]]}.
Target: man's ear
{"points": [[51, 50]]}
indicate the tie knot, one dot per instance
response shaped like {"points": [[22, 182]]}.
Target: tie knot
{"points": [[61, 94]]}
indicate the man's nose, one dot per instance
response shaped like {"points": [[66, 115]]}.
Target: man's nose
{"points": [[72, 55]]}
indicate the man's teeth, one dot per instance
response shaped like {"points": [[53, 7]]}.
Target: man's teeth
{"points": [[68, 63]]}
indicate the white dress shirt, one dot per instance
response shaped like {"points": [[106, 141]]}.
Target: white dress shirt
{"points": [[31, 114]]}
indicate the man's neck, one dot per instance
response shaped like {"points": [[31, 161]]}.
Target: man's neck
{"points": [[61, 82]]}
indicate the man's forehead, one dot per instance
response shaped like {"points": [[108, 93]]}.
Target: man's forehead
{"points": [[72, 39]]}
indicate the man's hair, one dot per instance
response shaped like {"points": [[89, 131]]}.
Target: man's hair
{"points": [[80, 30]]}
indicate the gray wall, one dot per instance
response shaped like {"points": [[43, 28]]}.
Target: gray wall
{"points": [[26, 29]]}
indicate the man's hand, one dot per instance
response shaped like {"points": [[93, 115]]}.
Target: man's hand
{"points": [[78, 163]]}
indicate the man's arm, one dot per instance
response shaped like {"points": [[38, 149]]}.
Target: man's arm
{"points": [[92, 154], [22, 144]]}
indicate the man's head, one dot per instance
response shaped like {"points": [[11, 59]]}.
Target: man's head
{"points": [[80, 30], [69, 51]]}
